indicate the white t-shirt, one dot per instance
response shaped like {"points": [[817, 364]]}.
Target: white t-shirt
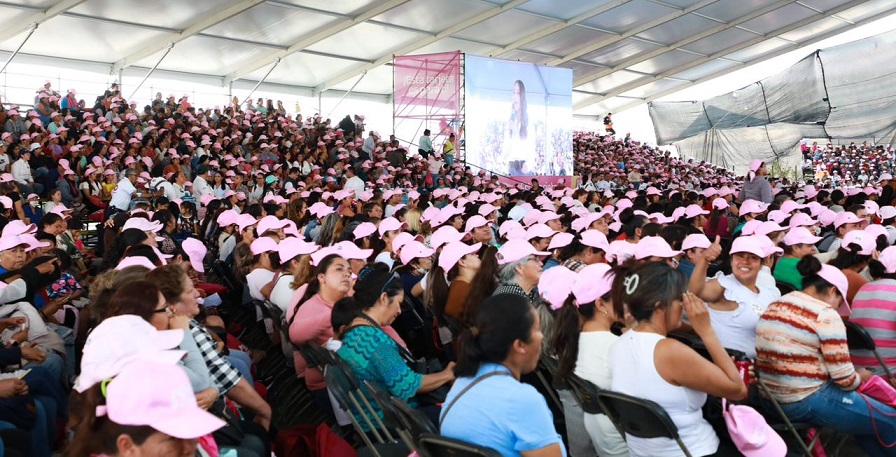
{"points": [[256, 279], [121, 196], [386, 258], [593, 365], [282, 293]]}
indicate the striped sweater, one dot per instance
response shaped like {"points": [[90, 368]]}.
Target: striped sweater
{"points": [[800, 345], [875, 309]]}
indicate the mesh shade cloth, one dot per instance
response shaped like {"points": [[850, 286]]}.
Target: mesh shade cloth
{"points": [[847, 91]]}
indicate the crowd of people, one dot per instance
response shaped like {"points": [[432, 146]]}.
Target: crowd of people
{"points": [[443, 286]]}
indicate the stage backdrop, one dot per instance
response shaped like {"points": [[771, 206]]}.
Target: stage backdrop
{"points": [[518, 117], [427, 96]]}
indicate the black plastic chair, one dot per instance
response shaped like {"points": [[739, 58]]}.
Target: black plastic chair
{"points": [[782, 423], [441, 446], [390, 415], [639, 417], [857, 337], [413, 420], [784, 288]]}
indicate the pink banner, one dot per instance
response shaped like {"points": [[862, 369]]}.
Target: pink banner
{"points": [[427, 80]]}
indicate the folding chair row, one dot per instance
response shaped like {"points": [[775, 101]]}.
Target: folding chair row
{"points": [[417, 432], [858, 338]]}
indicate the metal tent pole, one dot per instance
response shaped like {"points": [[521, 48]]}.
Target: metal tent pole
{"points": [[16, 52], [249, 97], [346, 94], [159, 62]]}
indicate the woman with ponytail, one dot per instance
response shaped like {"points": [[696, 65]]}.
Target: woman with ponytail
{"points": [[646, 363], [804, 359], [487, 405], [874, 308], [582, 341], [756, 186], [369, 346], [310, 320]]}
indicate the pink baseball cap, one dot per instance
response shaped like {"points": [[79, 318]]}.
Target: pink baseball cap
{"points": [[263, 244], [720, 203], [120, 340], [443, 235], [158, 395], [475, 221], [196, 252], [135, 261], [539, 230], [141, 224], [270, 223], [389, 224], [802, 220], [865, 240], [514, 250], [364, 229], [800, 235], [694, 211], [592, 282], [554, 285], [768, 227], [402, 239], [695, 240], [17, 227], [596, 240], [345, 249], [888, 259], [560, 240], [227, 217], [751, 244], [654, 246], [753, 207], [9, 242], [414, 250], [33, 242], [846, 217], [755, 438], [293, 247], [836, 277], [245, 220], [453, 252]]}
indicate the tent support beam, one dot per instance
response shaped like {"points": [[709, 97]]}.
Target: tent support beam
{"points": [[346, 94], [21, 45], [249, 97], [165, 54]]}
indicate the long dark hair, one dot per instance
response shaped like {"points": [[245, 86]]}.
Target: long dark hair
{"points": [[567, 328], [483, 284], [641, 287], [848, 256], [497, 324], [809, 267], [99, 435], [314, 286]]}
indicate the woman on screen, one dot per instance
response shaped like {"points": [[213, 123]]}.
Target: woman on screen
{"points": [[521, 151], [519, 117]]}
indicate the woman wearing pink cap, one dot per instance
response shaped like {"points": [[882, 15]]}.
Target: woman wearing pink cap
{"points": [[582, 340], [647, 364], [804, 360], [147, 409], [309, 321], [797, 243]]}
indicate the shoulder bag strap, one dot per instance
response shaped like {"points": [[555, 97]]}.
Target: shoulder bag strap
{"points": [[462, 392]]}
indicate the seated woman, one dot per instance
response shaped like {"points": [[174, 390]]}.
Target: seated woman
{"points": [[582, 341], [797, 243], [133, 414], [804, 360], [736, 300], [371, 352], [646, 364], [309, 320], [874, 308], [487, 405]]}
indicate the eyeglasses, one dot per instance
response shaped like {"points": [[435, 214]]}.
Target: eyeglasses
{"points": [[160, 311]]}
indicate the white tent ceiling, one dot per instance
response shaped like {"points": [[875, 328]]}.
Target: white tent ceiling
{"points": [[623, 52]]}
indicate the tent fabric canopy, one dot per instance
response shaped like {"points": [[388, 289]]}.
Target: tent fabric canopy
{"points": [[622, 52], [844, 92]]}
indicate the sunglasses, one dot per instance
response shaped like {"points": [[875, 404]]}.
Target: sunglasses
{"points": [[386, 285]]}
